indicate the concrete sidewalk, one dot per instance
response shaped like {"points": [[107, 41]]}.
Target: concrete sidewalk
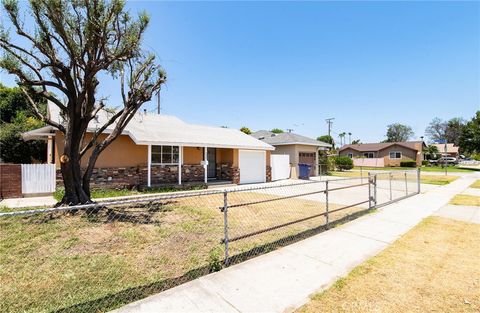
{"points": [[284, 279]]}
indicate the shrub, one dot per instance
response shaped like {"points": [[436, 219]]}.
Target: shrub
{"points": [[425, 162], [343, 163], [408, 163]]}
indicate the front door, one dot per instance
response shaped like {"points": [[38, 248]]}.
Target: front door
{"points": [[212, 163], [308, 158]]}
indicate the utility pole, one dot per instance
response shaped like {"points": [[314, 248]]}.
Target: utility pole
{"points": [[289, 130], [329, 123]]}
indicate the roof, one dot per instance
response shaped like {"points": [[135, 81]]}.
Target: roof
{"points": [[287, 139], [451, 148], [366, 147], [155, 129]]}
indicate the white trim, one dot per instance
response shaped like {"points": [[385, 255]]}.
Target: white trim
{"points": [[180, 163], [205, 164], [299, 143], [149, 166]]}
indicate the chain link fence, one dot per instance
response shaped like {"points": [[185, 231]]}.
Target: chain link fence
{"points": [[100, 256]]}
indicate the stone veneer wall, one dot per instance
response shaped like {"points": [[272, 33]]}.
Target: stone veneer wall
{"points": [[269, 174], [128, 177]]}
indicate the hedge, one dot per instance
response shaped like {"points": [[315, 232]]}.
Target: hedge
{"points": [[343, 163], [409, 163]]}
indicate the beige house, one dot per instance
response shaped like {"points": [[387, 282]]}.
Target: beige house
{"points": [[451, 149], [392, 153], [159, 149], [301, 149]]}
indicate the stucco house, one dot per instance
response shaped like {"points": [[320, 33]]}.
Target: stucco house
{"points": [[301, 149], [391, 153], [159, 149], [451, 149]]}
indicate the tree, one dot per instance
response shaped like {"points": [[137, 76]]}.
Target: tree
{"points": [[61, 59], [469, 140], [356, 142], [342, 136], [454, 130], [398, 132], [17, 117], [436, 130], [245, 130], [440, 130], [431, 152], [327, 139], [277, 131]]}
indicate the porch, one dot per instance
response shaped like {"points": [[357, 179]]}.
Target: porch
{"points": [[185, 164]]}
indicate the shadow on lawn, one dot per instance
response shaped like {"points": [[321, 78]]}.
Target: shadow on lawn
{"points": [[129, 295]]}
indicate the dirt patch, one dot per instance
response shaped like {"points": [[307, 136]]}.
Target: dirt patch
{"points": [[433, 268]]}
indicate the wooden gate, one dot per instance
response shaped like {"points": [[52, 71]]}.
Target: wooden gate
{"points": [[38, 178]]}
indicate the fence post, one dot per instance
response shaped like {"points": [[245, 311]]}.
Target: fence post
{"points": [[418, 180], [375, 190], [390, 181], [225, 225], [326, 205], [406, 184], [369, 191]]}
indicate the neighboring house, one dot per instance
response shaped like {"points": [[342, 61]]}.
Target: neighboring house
{"points": [[301, 149], [159, 149], [390, 153], [452, 150]]}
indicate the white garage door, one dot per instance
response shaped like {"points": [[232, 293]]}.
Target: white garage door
{"points": [[252, 166]]}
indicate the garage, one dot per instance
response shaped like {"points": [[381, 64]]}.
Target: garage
{"points": [[252, 166]]}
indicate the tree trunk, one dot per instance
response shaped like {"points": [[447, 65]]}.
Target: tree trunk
{"points": [[71, 165]]}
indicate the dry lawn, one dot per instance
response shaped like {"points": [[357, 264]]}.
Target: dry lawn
{"points": [[433, 268], [104, 260], [466, 200], [475, 184]]}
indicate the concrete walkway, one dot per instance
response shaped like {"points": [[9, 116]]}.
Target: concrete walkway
{"points": [[283, 280], [464, 213]]}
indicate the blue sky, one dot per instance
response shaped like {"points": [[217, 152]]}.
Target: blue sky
{"points": [[293, 64]]}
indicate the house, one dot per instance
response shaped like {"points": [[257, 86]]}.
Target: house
{"points": [[301, 149], [451, 149], [386, 153], [160, 149]]}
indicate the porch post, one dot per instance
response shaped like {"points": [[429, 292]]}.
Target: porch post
{"points": [[205, 166], [50, 150], [180, 163], [149, 166]]}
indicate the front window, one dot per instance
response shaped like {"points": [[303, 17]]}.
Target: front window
{"points": [[395, 155], [165, 154], [369, 155]]}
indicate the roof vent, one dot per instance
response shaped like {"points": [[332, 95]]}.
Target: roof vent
{"points": [[261, 138], [273, 135]]}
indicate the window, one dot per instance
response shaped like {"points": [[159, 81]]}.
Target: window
{"points": [[350, 155], [395, 155], [165, 154], [369, 155]]}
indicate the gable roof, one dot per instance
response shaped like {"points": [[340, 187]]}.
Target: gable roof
{"points": [[367, 147], [451, 148], [155, 129], [287, 139]]}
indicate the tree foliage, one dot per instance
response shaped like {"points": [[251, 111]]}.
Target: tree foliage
{"points": [[450, 130], [17, 117], [277, 131], [469, 140], [245, 130], [398, 132], [327, 139], [431, 152], [71, 44]]}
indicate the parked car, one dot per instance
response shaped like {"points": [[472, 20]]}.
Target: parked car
{"points": [[447, 160]]}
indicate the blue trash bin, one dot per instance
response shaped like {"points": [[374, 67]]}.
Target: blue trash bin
{"points": [[304, 170]]}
